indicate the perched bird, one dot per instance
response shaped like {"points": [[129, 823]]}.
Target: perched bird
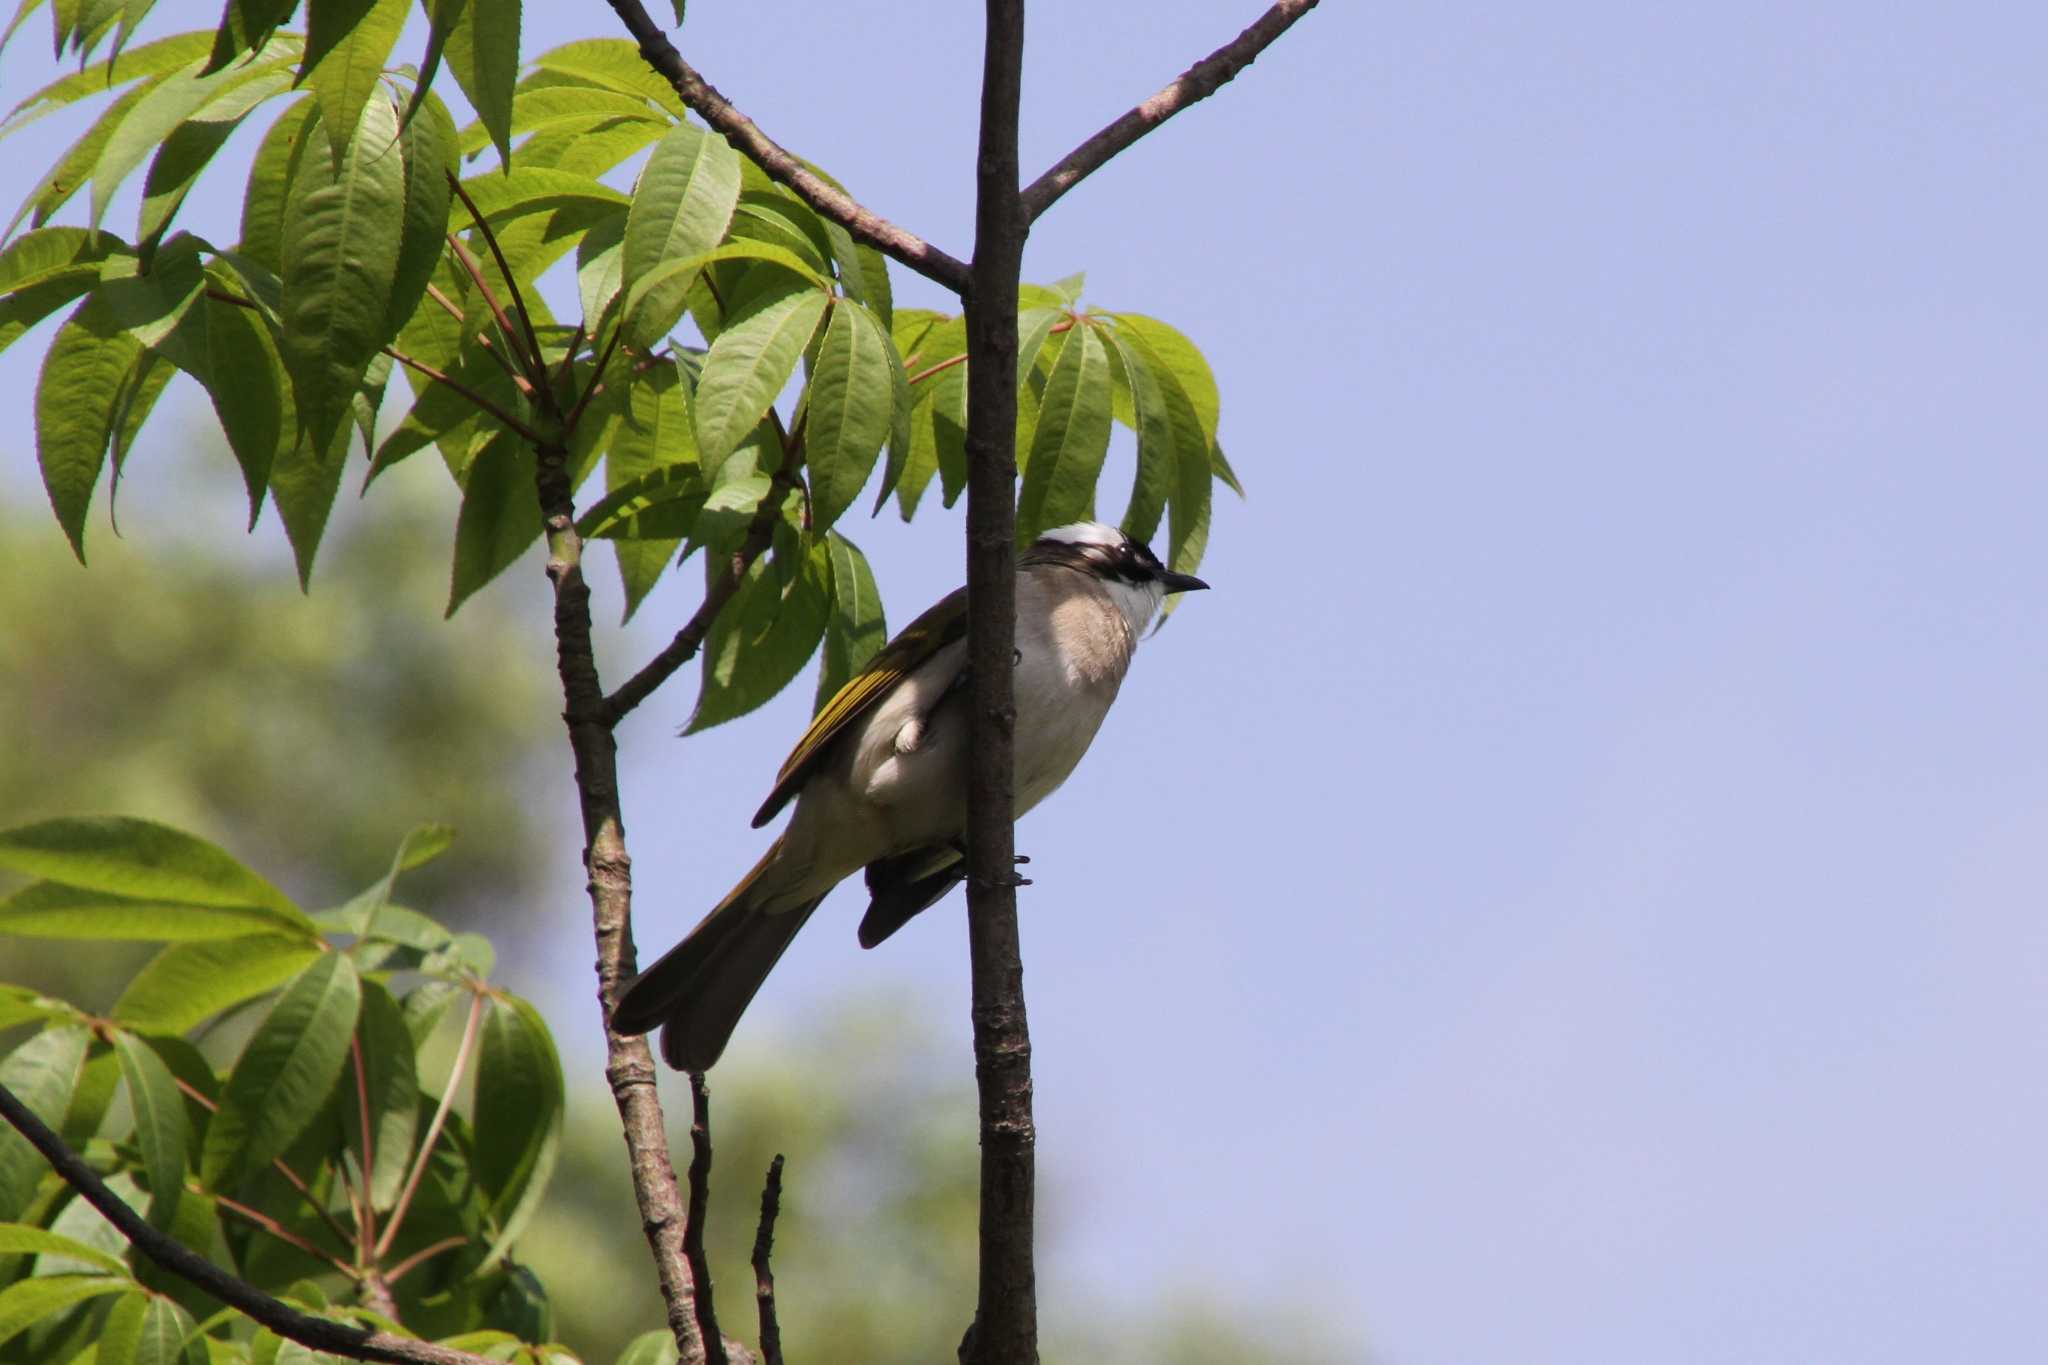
{"points": [[880, 778]]}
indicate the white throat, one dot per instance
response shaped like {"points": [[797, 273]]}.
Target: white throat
{"points": [[1139, 602]]}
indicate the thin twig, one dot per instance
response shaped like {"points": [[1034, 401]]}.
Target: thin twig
{"points": [[604, 358], [1198, 82], [690, 638], [291, 1176], [764, 1278], [482, 403], [274, 1228], [340, 1338], [454, 310], [475, 270], [540, 366], [424, 1254], [700, 1206], [950, 361], [878, 232], [426, 1152]]}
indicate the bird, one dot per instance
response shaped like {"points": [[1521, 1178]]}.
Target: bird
{"points": [[879, 780]]}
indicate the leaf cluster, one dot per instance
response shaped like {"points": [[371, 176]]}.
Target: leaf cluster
{"points": [[739, 368], [275, 1089]]}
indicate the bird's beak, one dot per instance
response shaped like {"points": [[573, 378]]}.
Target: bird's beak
{"points": [[1182, 582]]}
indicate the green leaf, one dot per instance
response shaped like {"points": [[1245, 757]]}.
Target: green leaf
{"points": [[163, 1335], [748, 365], [53, 910], [271, 174], [856, 630], [81, 378], [166, 104], [681, 207], [1178, 357], [762, 639], [1158, 446], [612, 64], [852, 405], [243, 379], [347, 44], [140, 858], [150, 59], [391, 1083], [1071, 441], [500, 515], [659, 505], [428, 141], [650, 1348], [1189, 492], [518, 1116], [303, 482], [27, 1302], [501, 197], [20, 1005], [45, 270], [1220, 467], [920, 463], [186, 152], [483, 52], [19, 1239], [342, 235], [189, 982], [1034, 325], [161, 1129], [42, 1073], [655, 434], [285, 1074]]}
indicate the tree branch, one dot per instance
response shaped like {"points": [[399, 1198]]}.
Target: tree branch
{"points": [[1005, 1329], [1198, 82], [700, 1204], [690, 638], [764, 1278], [835, 204], [322, 1334], [629, 1066]]}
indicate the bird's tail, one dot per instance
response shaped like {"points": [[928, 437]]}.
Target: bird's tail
{"points": [[698, 989]]}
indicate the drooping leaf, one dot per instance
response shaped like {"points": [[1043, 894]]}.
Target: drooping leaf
{"points": [[42, 1073], [655, 434], [268, 191], [190, 982], [920, 463], [140, 858], [852, 405], [1179, 357], [161, 1128], [391, 1084], [164, 1336], [347, 44], [681, 207], [1071, 441], [1158, 450], [343, 230], [500, 515], [25, 1303], [1034, 325], [763, 638], [517, 1124], [856, 629], [748, 365], [20, 1005], [428, 142], [285, 1073], [303, 482], [191, 146], [483, 52], [19, 1239], [150, 59], [244, 377], [76, 394]]}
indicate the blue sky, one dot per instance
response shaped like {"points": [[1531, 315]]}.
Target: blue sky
{"points": [[1583, 895]]}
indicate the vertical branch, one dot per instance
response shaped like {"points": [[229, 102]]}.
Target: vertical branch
{"points": [[629, 1066], [700, 1209], [1005, 1326], [764, 1277]]}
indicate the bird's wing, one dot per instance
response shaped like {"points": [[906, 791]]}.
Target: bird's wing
{"points": [[898, 659]]}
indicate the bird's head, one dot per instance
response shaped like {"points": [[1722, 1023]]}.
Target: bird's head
{"points": [[1135, 579]]}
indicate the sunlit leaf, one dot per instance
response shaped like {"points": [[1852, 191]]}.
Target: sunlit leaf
{"points": [[681, 206], [190, 982], [1071, 441], [852, 404], [483, 52], [42, 1073], [347, 44], [748, 365], [762, 639], [161, 1128], [500, 515]]}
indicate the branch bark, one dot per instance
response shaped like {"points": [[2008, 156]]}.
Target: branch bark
{"points": [[629, 1065], [780, 165], [322, 1334], [764, 1276], [1198, 82], [1005, 1329]]}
